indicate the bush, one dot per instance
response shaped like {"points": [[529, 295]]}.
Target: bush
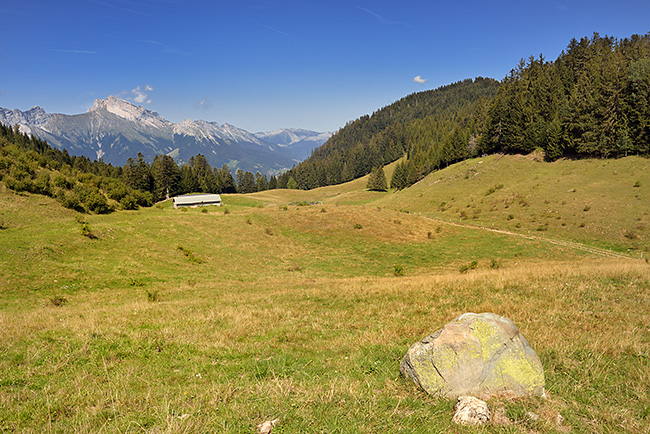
{"points": [[398, 270], [41, 184], [129, 202], [70, 200], [471, 266], [61, 181], [118, 191], [96, 202]]}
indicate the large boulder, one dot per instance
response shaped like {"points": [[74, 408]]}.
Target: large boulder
{"points": [[481, 355]]}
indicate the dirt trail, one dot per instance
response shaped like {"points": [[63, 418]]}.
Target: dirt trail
{"points": [[571, 244]]}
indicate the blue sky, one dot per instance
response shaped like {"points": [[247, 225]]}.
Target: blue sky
{"points": [[267, 64]]}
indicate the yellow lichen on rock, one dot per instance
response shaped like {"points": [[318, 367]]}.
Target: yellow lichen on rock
{"points": [[476, 354]]}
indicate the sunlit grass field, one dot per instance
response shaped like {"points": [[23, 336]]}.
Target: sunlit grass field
{"points": [[298, 306]]}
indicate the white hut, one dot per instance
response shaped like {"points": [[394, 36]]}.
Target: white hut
{"points": [[194, 200]]}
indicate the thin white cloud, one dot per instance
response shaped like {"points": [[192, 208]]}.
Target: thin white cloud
{"points": [[73, 51], [383, 20], [419, 80], [376, 15], [273, 29], [204, 104]]}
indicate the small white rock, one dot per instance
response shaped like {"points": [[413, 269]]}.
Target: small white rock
{"points": [[532, 416], [471, 411], [267, 427]]}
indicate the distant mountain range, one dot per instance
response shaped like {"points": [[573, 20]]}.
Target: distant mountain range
{"points": [[116, 130]]}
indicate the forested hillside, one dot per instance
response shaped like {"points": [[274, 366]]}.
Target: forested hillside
{"points": [[592, 101], [410, 125]]}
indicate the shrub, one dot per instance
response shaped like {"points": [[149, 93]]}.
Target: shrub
{"points": [[70, 200], [118, 191], [61, 181], [494, 189], [96, 202], [398, 270], [358, 226], [204, 210], [466, 267], [152, 296], [136, 282], [42, 185], [190, 255], [129, 202], [86, 232]]}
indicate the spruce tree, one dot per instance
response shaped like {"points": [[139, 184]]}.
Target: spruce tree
{"points": [[377, 180]]}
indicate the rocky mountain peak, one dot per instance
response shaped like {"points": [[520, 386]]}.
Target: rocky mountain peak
{"points": [[123, 109]]}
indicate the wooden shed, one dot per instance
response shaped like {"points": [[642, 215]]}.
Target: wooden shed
{"points": [[194, 200]]}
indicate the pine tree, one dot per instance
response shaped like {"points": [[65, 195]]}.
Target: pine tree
{"points": [[166, 177], [292, 184], [377, 180], [248, 183], [227, 180]]}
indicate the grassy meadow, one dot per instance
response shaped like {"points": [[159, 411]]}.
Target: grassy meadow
{"points": [[299, 305]]}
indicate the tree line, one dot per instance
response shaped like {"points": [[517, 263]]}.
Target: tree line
{"points": [[31, 164], [592, 101], [163, 178]]}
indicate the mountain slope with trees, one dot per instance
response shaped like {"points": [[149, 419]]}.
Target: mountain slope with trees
{"points": [[406, 126], [592, 101]]}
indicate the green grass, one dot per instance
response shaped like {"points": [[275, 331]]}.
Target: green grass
{"points": [[294, 314], [589, 201]]}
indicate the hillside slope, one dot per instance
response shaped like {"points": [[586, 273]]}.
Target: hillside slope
{"points": [[605, 203]]}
